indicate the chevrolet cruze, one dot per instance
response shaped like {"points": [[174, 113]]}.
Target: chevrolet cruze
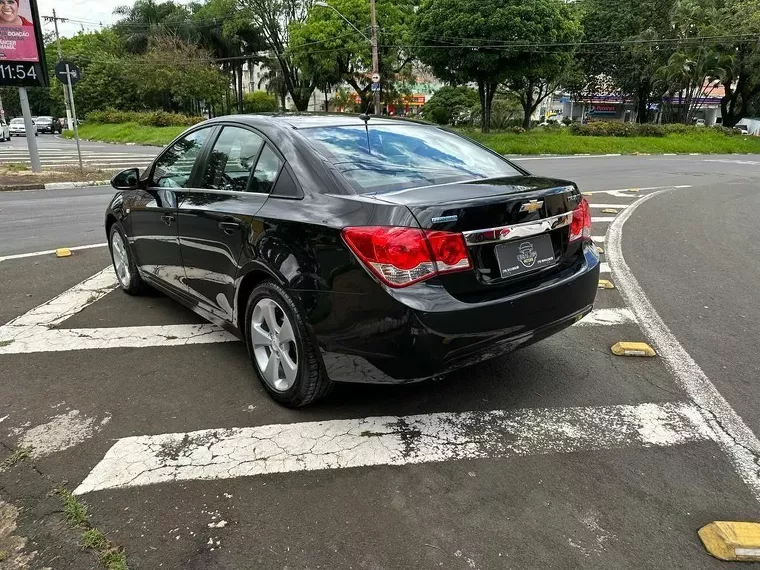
{"points": [[354, 249]]}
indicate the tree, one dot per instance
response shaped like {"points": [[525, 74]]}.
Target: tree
{"points": [[228, 32], [259, 102], [330, 50], [447, 101], [273, 80], [274, 18], [739, 67], [624, 47], [535, 73], [498, 35]]}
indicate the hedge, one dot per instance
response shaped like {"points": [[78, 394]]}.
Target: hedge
{"points": [[617, 129], [151, 118]]}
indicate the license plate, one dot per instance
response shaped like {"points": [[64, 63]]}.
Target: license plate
{"points": [[522, 256]]}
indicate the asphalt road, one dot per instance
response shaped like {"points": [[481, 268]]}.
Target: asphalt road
{"points": [[539, 492]]}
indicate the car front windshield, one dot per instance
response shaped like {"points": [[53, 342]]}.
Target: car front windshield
{"points": [[385, 157], [17, 122]]}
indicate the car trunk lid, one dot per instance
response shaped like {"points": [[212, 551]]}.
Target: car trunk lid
{"points": [[517, 229]]}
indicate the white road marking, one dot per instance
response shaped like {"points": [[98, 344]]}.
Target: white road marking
{"points": [[604, 267], [734, 437], [607, 317], [618, 206], [50, 251], [390, 440], [68, 303], [571, 156], [63, 340], [746, 162], [602, 219], [598, 239], [629, 192]]}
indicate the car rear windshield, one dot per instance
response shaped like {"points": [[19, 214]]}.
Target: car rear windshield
{"points": [[385, 157]]}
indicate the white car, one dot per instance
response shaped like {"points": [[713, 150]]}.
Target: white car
{"points": [[5, 131], [18, 129]]}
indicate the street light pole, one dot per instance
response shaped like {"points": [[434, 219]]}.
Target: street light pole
{"points": [[375, 56]]}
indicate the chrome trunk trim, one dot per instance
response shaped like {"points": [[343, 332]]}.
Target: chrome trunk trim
{"points": [[517, 231]]}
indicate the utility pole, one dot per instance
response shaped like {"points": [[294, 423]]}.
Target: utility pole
{"points": [[375, 57], [60, 57]]}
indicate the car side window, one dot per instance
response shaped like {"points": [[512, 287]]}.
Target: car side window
{"points": [[175, 166], [231, 161], [266, 171]]}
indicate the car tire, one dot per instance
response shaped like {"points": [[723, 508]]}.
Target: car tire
{"points": [[124, 263], [297, 377]]}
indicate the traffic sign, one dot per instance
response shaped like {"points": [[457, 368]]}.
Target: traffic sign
{"points": [[375, 78], [375, 87], [65, 70]]}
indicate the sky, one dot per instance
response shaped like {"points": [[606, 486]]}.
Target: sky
{"points": [[90, 14]]}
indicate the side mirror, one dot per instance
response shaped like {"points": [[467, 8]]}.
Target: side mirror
{"points": [[128, 179]]}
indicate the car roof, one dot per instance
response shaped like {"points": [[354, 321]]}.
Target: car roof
{"points": [[311, 120]]}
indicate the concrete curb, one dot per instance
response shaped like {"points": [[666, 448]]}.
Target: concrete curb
{"points": [[54, 185]]}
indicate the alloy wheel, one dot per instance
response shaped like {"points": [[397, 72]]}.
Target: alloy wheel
{"points": [[274, 344], [120, 259]]}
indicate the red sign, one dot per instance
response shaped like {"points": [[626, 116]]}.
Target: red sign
{"points": [[22, 55], [596, 109]]}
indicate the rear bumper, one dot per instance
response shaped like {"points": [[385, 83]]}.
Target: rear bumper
{"points": [[422, 331]]}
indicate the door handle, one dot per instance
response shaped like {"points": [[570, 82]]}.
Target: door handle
{"points": [[168, 219], [229, 227]]}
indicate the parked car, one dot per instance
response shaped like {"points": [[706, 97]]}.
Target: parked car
{"points": [[18, 129], [743, 128], [700, 123], [47, 125], [5, 131], [344, 249]]}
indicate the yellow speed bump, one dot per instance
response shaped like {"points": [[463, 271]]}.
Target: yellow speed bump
{"points": [[632, 349], [600, 249], [633, 190], [588, 193], [609, 211], [62, 252], [606, 284], [727, 540]]}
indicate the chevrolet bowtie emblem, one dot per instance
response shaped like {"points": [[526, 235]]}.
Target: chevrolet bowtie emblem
{"points": [[532, 206]]}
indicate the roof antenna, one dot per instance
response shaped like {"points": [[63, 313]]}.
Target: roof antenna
{"points": [[365, 116]]}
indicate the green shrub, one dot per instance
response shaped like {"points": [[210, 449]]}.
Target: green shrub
{"points": [[616, 129], [447, 104], [150, 119], [259, 102]]}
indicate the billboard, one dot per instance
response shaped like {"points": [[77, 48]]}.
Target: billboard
{"points": [[22, 53]]}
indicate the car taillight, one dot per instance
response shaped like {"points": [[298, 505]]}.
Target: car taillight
{"points": [[402, 256], [580, 228]]}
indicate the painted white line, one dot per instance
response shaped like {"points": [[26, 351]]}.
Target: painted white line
{"points": [[601, 219], [628, 192], [604, 267], [598, 239], [50, 251], [607, 317], [617, 206], [64, 305], [566, 157], [745, 162], [37, 339], [390, 440], [734, 437]]}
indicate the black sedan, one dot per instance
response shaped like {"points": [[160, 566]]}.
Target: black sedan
{"points": [[354, 249], [47, 125]]}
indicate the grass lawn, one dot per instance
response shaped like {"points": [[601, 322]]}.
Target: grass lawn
{"points": [[127, 132], [541, 141], [537, 141]]}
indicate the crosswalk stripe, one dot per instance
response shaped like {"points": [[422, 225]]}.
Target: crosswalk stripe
{"points": [[391, 440]]}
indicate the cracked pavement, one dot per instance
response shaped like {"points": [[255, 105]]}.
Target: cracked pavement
{"points": [[558, 456]]}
